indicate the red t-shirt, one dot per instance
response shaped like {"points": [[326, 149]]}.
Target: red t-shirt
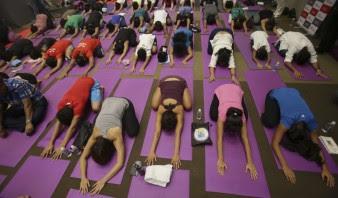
{"points": [[86, 47], [78, 95], [58, 49]]}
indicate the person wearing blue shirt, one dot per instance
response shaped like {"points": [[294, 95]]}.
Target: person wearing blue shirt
{"points": [[22, 106], [296, 128], [113, 26], [181, 45]]}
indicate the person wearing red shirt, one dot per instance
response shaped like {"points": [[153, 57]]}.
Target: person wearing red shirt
{"points": [[55, 56], [84, 53], [71, 109]]}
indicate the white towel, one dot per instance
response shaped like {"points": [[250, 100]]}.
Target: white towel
{"points": [[158, 174]]}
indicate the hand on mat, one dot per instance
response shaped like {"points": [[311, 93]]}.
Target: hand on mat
{"points": [[260, 66], [290, 175], [252, 170], [29, 128], [98, 187], [326, 175], [221, 165], [46, 77], [119, 60], [235, 80], [108, 61], [57, 154], [176, 162], [321, 74], [62, 76], [47, 151], [84, 185], [172, 63], [132, 70], [268, 66], [211, 78], [151, 159], [184, 62], [298, 74]]}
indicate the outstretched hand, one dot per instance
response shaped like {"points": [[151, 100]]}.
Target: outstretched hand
{"points": [[84, 185], [290, 175], [151, 159], [221, 166], [328, 178], [97, 187], [251, 168], [176, 162]]}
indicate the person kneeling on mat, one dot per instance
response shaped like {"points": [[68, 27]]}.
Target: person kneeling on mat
{"points": [[55, 56], [39, 50], [227, 110], [170, 99], [238, 19], [71, 110], [296, 46], [260, 48], [124, 39], [116, 22], [181, 45], [119, 5], [116, 118], [296, 130], [22, 105], [93, 24], [84, 53], [146, 47], [184, 17], [220, 47], [139, 18], [263, 18], [150, 4], [210, 15], [72, 25], [41, 25], [160, 21]]}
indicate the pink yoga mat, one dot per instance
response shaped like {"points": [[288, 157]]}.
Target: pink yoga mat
{"points": [[133, 89], [260, 83], [234, 180], [219, 72], [31, 178], [242, 42], [309, 74], [178, 187], [72, 193], [165, 146]]}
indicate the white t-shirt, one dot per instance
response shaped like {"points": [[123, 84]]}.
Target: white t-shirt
{"points": [[221, 40], [120, 1], [293, 42], [260, 39], [146, 42], [161, 16]]}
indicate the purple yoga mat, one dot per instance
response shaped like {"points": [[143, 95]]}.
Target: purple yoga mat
{"points": [[309, 74], [235, 178], [72, 193], [12, 158], [219, 72], [242, 42], [165, 146], [60, 87], [31, 178], [178, 187], [260, 83], [133, 89]]}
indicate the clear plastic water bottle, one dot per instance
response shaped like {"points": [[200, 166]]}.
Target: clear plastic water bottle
{"points": [[328, 126], [199, 114]]}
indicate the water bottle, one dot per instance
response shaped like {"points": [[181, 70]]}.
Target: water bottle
{"points": [[328, 126], [199, 114]]}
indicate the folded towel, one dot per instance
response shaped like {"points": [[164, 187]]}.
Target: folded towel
{"points": [[158, 174]]}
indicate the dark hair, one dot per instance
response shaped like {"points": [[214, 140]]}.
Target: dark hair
{"points": [[119, 46], [179, 46], [168, 121], [223, 57], [110, 27], [238, 22], [51, 61], [271, 23], [90, 29], [70, 30], [233, 121], [34, 28], [162, 57], [211, 19], [3, 76], [102, 151], [86, 7], [117, 6], [229, 4], [63, 22], [141, 54], [65, 115], [297, 140], [135, 5], [35, 53], [81, 60], [158, 26], [7, 55], [302, 56], [262, 53], [137, 21]]}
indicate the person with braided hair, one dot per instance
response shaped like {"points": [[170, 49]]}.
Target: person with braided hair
{"points": [[296, 129], [229, 111], [170, 99]]}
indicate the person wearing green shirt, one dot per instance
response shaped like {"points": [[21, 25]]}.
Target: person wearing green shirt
{"points": [[72, 25]]}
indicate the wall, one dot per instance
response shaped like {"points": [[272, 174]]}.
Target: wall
{"points": [[16, 12]]}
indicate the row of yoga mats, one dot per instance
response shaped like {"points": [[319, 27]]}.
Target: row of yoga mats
{"points": [[138, 90]]}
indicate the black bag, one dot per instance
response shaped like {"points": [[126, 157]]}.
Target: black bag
{"points": [[162, 55], [86, 130], [200, 134]]}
